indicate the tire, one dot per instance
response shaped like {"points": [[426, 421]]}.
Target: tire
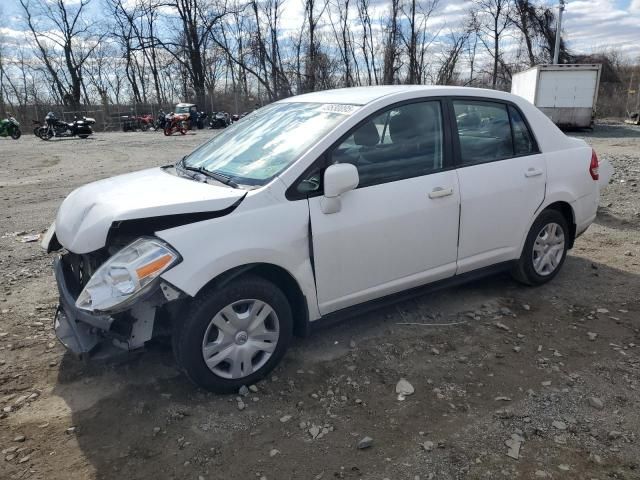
{"points": [[16, 133], [543, 240], [44, 133], [83, 136], [198, 329], [167, 131]]}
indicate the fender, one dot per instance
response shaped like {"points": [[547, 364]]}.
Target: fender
{"points": [[549, 199], [255, 233]]}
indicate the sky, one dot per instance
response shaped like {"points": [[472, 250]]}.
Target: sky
{"points": [[588, 25]]}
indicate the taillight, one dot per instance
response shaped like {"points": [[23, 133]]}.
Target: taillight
{"points": [[593, 166]]}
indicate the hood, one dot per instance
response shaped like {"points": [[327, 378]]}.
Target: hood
{"points": [[87, 214]]}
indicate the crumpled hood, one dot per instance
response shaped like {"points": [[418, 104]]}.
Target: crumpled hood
{"points": [[86, 215]]}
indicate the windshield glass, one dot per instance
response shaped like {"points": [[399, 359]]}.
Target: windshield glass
{"points": [[182, 109], [266, 142]]}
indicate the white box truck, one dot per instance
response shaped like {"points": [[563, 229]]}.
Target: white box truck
{"points": [[566, 93]]}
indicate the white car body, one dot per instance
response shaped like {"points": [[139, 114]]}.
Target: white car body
{"points": [[382, 239]]}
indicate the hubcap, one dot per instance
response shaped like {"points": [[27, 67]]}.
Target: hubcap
{"points": [[240, 338], [548, 249]]}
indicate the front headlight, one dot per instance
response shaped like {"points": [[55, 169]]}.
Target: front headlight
{"points": [[127, 274]]}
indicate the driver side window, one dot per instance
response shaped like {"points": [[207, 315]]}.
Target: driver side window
{"points": [[401, 142]]}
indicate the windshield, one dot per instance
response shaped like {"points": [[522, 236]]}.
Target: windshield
{"points": [[257, 149], [183, 109]]}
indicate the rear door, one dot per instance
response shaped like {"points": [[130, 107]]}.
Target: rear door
{"points": [[502, 177]]}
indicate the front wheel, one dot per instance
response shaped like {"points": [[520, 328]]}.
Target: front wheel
{"points": [[16, 133], [544, 250], [234, 335], [84, 136], [45, 133]]}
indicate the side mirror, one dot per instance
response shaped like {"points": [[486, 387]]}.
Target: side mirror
{"points": [[338, 179]]}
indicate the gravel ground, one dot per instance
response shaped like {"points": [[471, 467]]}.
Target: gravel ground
{"points": [[524, 383]]}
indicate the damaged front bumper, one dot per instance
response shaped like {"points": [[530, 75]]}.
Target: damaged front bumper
{"points": [[85, 333]]}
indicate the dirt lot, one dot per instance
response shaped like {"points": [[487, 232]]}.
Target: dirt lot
{"points": [[553, 371]]}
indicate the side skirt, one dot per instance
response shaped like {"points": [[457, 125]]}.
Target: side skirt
{"points": [[360, 309]]}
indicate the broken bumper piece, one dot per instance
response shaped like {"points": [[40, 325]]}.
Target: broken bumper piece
{"points": [[76, 329], [85, 334]]}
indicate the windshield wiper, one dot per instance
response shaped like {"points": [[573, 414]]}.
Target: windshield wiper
{"points": [[220, 177]]}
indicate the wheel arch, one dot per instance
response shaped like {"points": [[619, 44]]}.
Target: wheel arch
{"points": [[567, 212], [280, 277]]}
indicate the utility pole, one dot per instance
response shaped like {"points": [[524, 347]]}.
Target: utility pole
{"points": [[556, 50]]}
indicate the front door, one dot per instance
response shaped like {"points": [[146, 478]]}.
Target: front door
{"points": [[399, 228]]}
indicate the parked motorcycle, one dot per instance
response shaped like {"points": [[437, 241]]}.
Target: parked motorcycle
{"points": [[219, 120], [131, 123], [175, 123], [57, 128], [9, 127]]}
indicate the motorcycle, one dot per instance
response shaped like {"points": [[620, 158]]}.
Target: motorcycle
{"points": [[219, 120], [139, 122], [175, 123], [9, 127], [57, 128]]}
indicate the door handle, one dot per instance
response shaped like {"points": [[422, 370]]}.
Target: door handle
{"points": [[533, 172], [441, 192]]}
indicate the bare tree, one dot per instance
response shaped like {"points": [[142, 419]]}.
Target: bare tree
{"points": [[66, 29], [493, 19], [367, 46], [450, 56], [391, 51], [523, 13], [416, 41], [343, 38], [313, 10]]}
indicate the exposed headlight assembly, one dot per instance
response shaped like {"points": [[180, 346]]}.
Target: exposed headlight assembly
{"points": [[126, 275]]}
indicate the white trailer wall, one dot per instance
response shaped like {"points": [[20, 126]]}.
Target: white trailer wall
{"points": [[566, 88]]}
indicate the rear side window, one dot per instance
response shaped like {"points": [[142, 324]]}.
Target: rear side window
{"points": [[490, 131], [484, 131], [523, 143], [401, 142]]}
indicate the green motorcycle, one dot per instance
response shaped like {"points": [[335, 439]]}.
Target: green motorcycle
{"points": [[10, 127]]}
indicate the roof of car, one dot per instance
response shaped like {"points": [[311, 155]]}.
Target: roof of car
{"points": [[364, 95]]}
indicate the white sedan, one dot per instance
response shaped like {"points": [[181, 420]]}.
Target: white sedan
{"points": [[316, 207]]}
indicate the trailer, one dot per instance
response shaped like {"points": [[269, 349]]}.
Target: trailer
{"points": [[566, 93]]}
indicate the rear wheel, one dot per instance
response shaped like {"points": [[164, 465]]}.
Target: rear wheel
{"points": [[84, 136], [234, 335], [544, 250], [167, 131]]}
